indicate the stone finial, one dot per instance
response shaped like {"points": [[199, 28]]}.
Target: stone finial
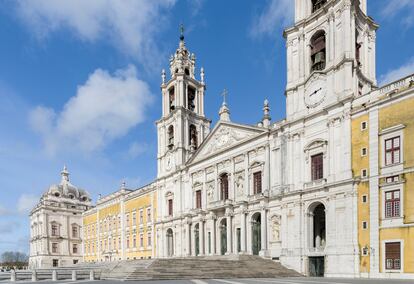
{"points": [[224, 110], [202, 74], [65, 174], [266, 114], [163, 76], [123, 185]]}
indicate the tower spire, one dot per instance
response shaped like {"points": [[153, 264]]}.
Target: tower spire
{"points": [[181, 32], [65, 174], [224, 110]]}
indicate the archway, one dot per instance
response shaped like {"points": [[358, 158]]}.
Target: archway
{"points": [[317, 239], [256, 233], [223, 236], [170, 243], [197, 239]]}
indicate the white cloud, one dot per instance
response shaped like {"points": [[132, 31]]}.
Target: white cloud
{"points": [[398, 73], [136, 149], [26, 203], [106, 107], [277, 13], [129, 24], [3, 211], [395, 7]]}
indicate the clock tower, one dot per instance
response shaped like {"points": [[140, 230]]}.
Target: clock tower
{"points": [[330, 55], [183, 125]]}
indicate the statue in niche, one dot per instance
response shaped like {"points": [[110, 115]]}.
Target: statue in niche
{"points": [[210, 193], [276, 228], [240, 185]]}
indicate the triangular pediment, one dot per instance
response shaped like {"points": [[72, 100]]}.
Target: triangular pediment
{"points": [[225, 135]]}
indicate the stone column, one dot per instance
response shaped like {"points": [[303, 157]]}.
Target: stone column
{"points": [[228, 227], [213, 236], [188, 239], [202, 237], [243, 229], [263, 234]]}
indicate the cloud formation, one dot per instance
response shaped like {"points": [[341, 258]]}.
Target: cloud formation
{"points": [[26, 203], [276, 13], [398, 73], [130, 25], [105, 108], [404, 9]]}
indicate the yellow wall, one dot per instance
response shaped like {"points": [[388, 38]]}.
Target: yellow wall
{"points": [[90, 236], [400, 113], [389, 116], [360, 139]]}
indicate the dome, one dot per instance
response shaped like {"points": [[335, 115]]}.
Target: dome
{"points": [[67, 190]]}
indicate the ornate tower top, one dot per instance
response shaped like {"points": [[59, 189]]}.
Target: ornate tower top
{"points": [[182, 62]]}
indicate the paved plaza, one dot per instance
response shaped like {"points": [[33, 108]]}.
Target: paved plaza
{"points": [[295, 280]]}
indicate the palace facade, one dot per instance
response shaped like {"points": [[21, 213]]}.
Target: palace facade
{"points": [[325, 191]]}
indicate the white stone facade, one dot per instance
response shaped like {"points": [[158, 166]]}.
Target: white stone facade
{"points": [[56, 225], [304, 215]]}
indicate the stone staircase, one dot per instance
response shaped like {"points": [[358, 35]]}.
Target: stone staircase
{"points": [[198, 268]]}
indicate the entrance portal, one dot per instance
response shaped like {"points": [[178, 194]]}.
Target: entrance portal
{"points": [[170, 243], [223, 236], [317, 266], [256, 233], [319, 232]]}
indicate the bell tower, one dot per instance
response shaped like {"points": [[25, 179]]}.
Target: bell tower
{"points": [[330, 54], [183, 125]]}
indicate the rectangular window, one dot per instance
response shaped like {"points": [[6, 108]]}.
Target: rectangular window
{"points": [[392, 204], [134, 241], [392, 151], [364, 173], [149, 239], [364, 125], [141, 240], [127, 220], [54, 247], [257, 182], [364, 152], [393, 256], [317, 166], [198, 199], [170, 207], [148, 215], [134, 219], [127, 242], [141, 217], [364, 198], [55, 262], [364, 225], [55, 230], [365, 251], [75, 248], [392, 179]]}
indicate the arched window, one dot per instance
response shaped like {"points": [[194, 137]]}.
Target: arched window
{"points": [[224, 187], [171, 97], [193, 137], [318, 51], [357, 48], [170, 137], [190, 98], [317, 4]]}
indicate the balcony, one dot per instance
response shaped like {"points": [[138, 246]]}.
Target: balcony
{"points": [[315, 183], [219, 204]]}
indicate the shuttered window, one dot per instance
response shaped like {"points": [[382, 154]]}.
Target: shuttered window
{"points": [[224, 187], [392, 151], [393, 256], [170, 207], [392, 204], [257, 182], [317, 167], [198, 199]]}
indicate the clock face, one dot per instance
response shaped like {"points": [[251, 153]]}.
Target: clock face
{"points": [[315, 93]]}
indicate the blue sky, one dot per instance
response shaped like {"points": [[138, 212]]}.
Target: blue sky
{"points": [[79, 83]]}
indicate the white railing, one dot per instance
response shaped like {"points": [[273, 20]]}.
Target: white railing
{"points": [[404, 82]]}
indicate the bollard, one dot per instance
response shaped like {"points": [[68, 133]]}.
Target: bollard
{"points": [[74, 275], [13, 276], [54, 275], [91, 276], [34, 276]]}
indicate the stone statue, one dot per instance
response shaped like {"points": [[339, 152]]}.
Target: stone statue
{"points": [[240, 185], [276, 228]]}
